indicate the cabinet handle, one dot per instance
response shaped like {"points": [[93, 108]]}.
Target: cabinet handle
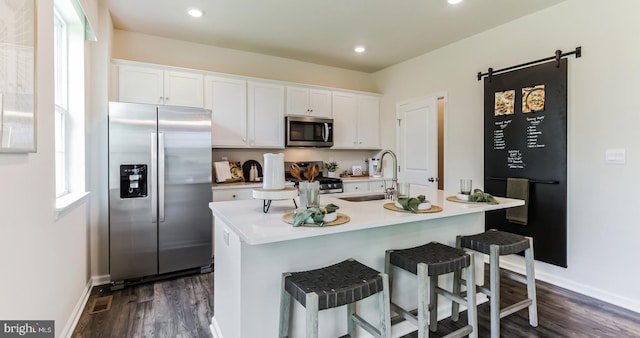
{"points": [[234, 196], [356, 188], [160, 99], [167, 99]]}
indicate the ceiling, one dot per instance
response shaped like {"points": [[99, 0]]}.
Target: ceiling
{"points": [[321, 31]]}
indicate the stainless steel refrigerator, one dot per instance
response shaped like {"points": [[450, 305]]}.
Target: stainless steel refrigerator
{"points": [[159, 190]]}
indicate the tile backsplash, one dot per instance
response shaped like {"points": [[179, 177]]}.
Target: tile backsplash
{"points": [[345, 158]]}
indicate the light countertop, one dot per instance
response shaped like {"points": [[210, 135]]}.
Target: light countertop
{"points": [[254, 227]]}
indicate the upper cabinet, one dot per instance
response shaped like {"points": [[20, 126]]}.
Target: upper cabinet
{"points": [[265, 115], [245, 114], [227, 99], [356, 121], [158, 86], [308, 101]]}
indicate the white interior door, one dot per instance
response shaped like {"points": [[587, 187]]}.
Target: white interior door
{"points": [[418, 141]]}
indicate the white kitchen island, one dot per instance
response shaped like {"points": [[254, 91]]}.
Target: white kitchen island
{"points": [[253, 249]]}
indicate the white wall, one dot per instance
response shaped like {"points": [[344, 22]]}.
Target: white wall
{"points": [[97, 143], [154, 49], [603, 227], [44, 262]]}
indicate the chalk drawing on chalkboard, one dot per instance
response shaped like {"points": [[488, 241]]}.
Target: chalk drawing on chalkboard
{"points": [[505, 101], [533, 99]]}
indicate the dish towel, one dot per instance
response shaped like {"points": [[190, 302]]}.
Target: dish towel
{"points": [[518, 188]]}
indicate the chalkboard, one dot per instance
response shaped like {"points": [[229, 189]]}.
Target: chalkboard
{"points": [[525, 130]]}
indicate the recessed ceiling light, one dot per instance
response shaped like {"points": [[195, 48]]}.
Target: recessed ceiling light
{"points": [[196, 13], [453, 2], [359, 49]]}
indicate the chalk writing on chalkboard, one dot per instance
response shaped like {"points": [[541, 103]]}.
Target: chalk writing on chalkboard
{"points": [[498, 134], [514, 160], [533, 132]]}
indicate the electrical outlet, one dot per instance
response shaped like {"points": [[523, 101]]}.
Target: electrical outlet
{"points": [[616, 156]]}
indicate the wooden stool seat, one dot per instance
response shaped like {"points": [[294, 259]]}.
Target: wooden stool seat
{"points": [[428, 262], [495, 244], [340, 284]]}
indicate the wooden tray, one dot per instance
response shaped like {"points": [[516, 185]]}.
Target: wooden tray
{"points": [[457, 200], [340, 219], [392, 206]]}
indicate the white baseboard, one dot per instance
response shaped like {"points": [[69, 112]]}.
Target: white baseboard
{"points": [[605, 296], [101, 280], [215, 330], [67, 331]]}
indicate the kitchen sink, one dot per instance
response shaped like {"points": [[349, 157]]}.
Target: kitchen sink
{"points": [[363, 198]]}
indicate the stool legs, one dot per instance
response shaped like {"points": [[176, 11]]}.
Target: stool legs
{"points": [[493, 291], [285, 306], [531, 285], [311, 314], [494, 287], [384, 308], [423, 305]]}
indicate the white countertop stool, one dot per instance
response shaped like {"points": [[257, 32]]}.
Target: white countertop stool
{"points": [[428, 262], [495, 244], [343, 283]]}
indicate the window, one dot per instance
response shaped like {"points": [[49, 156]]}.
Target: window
{"points": [[61, 103], [69, 103]]}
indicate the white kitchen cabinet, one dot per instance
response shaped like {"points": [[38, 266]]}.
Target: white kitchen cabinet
{"points": [[159, 86], [308, 101], [356, 121], [379, 185], [350, 187], [265, 115], [234, 194], [245, 114], [227, 99]]}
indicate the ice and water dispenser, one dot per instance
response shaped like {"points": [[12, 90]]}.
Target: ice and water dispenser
{"points": [[133, 180]]}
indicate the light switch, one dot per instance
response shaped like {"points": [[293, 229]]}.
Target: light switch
{"points": [[616, 156]]}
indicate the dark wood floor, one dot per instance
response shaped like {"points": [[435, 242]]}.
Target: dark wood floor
{"points": [[183, 307]]}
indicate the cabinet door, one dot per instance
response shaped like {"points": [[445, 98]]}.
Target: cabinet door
{"points": [[368, 122], [320, 102], [227, 99], [183, 89], [266, 115], [140, 85], [355, 186], [380, 186], [232, 194], [297, 101], [344, 120]]}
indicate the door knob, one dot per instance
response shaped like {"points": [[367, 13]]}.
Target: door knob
{"points": [[432, 179]]}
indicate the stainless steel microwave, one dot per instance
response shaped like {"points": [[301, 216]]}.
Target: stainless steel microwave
{"points": [[308, 131]]}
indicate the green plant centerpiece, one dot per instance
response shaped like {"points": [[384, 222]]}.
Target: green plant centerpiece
{"points": [[331, 166], [314, 216]]}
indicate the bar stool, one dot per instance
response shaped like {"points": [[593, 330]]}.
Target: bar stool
{"points": [[343, 283], [428, 262], [495, 244]]}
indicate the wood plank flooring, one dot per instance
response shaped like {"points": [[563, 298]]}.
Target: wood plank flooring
{"points": [[183, 307]]}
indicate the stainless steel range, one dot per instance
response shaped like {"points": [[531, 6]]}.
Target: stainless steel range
{"points": [[328, 185]]}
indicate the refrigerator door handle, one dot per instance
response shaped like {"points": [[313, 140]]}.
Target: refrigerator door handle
{"points": [[161, 176], [154, 178]]}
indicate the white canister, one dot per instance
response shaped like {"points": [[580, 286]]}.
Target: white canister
{"points": [[273, 171]]}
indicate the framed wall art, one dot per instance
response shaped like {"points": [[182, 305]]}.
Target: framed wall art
{"points": [[17, 76]]}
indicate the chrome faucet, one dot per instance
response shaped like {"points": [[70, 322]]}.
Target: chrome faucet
{"points": [[390, 193]]}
